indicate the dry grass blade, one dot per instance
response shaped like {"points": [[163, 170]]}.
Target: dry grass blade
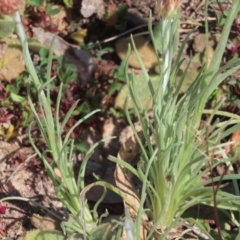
{"points": [[123, 178]]}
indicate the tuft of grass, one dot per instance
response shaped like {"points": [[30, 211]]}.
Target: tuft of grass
{"points": [[81, 223], [173, 168]]}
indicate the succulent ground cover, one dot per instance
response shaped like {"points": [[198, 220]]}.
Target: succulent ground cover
{"points": [[88, 63]]}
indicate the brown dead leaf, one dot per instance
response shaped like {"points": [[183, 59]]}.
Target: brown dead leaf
{"points": [[59, 47], [123, 179], [11, 64], [235, 138], [80, 58], [59, 19]]}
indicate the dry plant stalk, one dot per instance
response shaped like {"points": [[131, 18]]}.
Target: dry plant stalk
{"points": [[127, 153]]}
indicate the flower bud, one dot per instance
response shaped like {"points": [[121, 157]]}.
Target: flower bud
{"points": [[9, 7], [167, 7]]}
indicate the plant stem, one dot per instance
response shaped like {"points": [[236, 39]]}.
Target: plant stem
{"points": [[166, 67], [26, 55], [69, 191], [42, 97]]}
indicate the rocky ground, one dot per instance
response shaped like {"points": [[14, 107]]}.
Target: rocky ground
{"points": [[21, 171]]}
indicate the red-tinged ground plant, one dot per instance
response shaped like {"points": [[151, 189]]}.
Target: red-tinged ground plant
{"points": [[171, 168], [2, 209]]}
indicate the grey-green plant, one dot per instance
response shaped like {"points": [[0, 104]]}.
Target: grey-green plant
{"points": [[185, 147], [81, 222]]}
